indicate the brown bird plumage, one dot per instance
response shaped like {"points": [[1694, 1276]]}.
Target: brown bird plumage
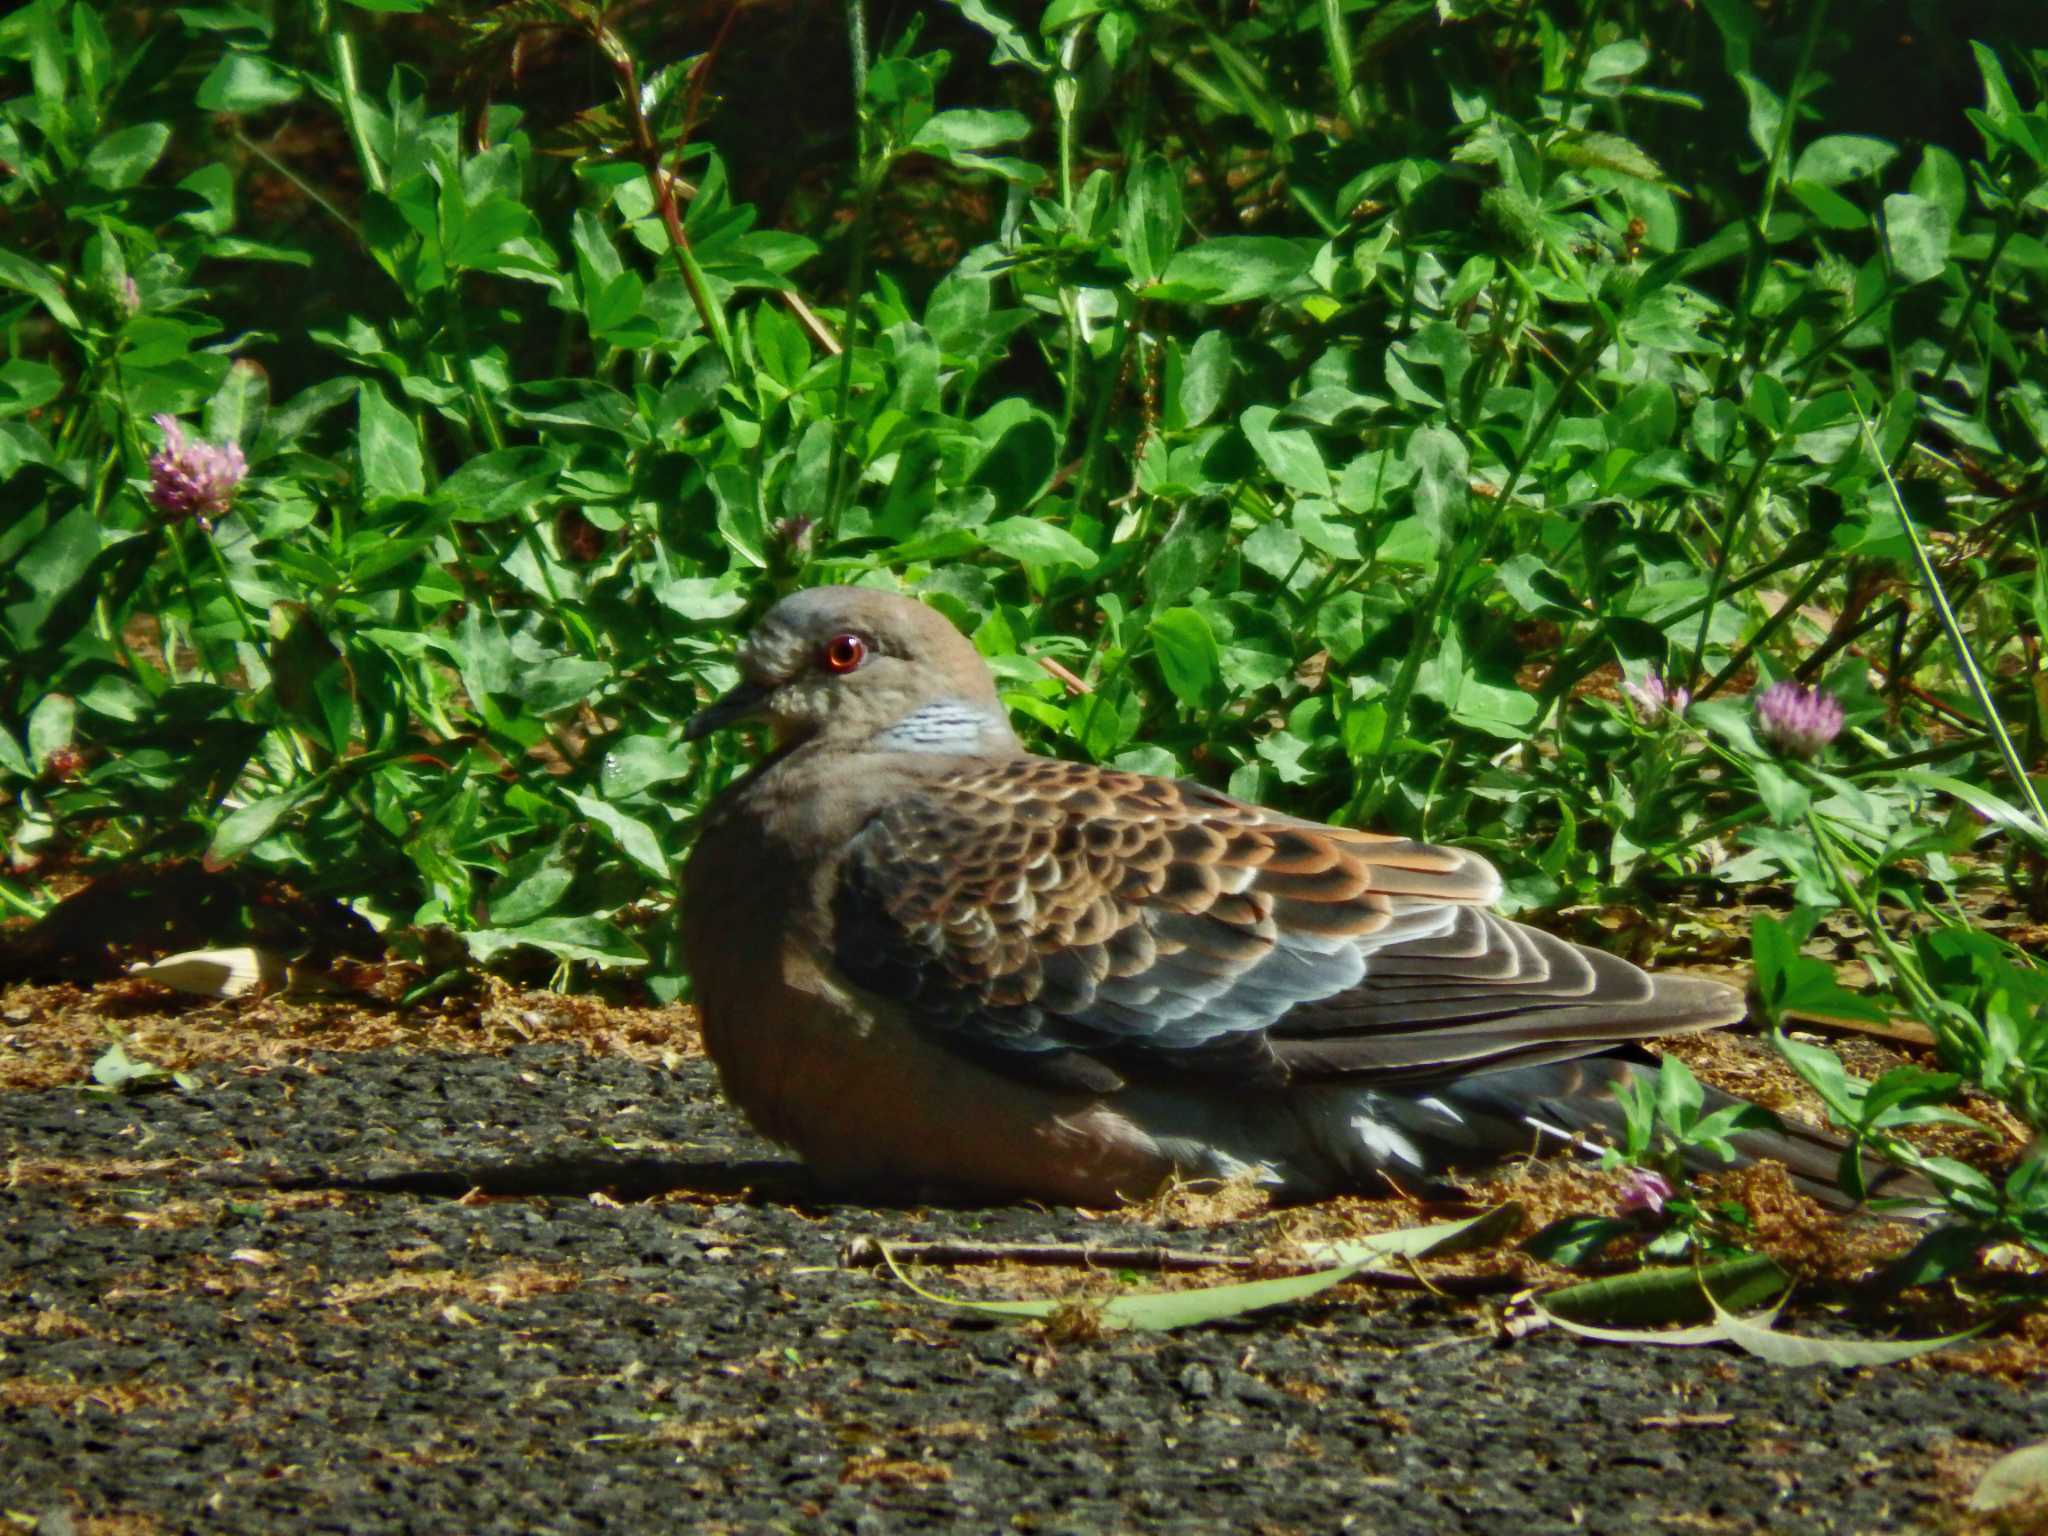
{"points": [[930, 961]]}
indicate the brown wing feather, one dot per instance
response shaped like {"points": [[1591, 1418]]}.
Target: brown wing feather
{"points": [[1062, 917]]}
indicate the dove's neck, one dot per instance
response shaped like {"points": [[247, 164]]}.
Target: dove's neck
{"points": [[951, 727]]}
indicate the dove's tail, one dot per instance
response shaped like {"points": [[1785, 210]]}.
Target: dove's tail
{"points": [[1546, 1108]]}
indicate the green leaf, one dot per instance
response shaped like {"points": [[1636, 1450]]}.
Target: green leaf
{"points": [[1729, 1119], [389, 447], [1646, 418], [634, 837], [52, 727], [1607, 152], [1766, 114], [1189, 657], [122, 159], [1036, 544], [2001, 106], [502, 483], [1537, 589], [1188, 550], [1721, 1288], [1943, 1252], [559, 682], [223, 18], [1289, 454], [1437, 1240], [1838, 157], [702, 599], [14, 762], [1785, 799], [1020, 466], [243, 829], [487, 230], [969, 130], [1234, 269], [582, 403], [640, 762], [1151, 218], [1940, 179], [236, 411], [1980, 800], [246, 82], [34, 279], [1274, 548], [51, 574], [960, 138], [1788, 981], [533, 887], [1916, 233], [1205, 377], [1766, 1343], [1610, 66], [1153, 1311], [1647, 1297], [1442, 473], [1163, 1311], [1574, 1240], [1679, 1095], [589, 939], [117, 1072], [1833, 210], [1012, 44]]}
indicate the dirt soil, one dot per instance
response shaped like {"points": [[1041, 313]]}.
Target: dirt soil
{"points": [[518, 1268]]}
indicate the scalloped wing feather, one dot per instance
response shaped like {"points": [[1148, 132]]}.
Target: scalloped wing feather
{"points": [[1052, 917]]}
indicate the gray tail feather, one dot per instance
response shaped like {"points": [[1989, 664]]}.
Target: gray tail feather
{"points": [[1534, 1107]]}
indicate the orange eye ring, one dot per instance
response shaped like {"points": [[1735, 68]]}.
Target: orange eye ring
{"points": [[844, 653]]}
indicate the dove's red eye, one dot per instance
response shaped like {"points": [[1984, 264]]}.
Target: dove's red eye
{"points": [[843, 653]]}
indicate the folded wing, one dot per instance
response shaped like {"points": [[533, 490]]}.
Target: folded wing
{"points": [[1085, 925]]}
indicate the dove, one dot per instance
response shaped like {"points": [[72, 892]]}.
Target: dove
{"points": [[935, 964]]}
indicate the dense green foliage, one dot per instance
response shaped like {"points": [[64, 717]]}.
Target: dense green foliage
{"points": [[1357, 396]]}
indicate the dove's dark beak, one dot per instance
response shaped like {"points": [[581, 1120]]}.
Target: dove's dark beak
{"points": [[744, 703]]}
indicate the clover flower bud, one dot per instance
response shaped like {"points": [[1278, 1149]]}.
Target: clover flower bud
{"points": [[189, 477], [1652, 699], [1644, 1189], [1796, 720]]}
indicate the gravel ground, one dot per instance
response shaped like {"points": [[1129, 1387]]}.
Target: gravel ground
{"points": [[268, 1304]]}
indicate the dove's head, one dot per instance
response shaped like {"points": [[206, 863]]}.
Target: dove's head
{"points": [[864, 671]]}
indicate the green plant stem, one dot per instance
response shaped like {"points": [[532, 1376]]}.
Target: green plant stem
{"points": [[1343, 69], [1834, 645], [227, 584], [1966, 660], [306, 189], [1914, 759], [1559, 681], [2008, 226], [840, 471], [175, 539], [341, 52], [1098, 419], [458, 323], [1922, 995], [857, 46], [1774, 175], [1733, 526], [1822, 569], [1372, 787], [647, 150]]}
